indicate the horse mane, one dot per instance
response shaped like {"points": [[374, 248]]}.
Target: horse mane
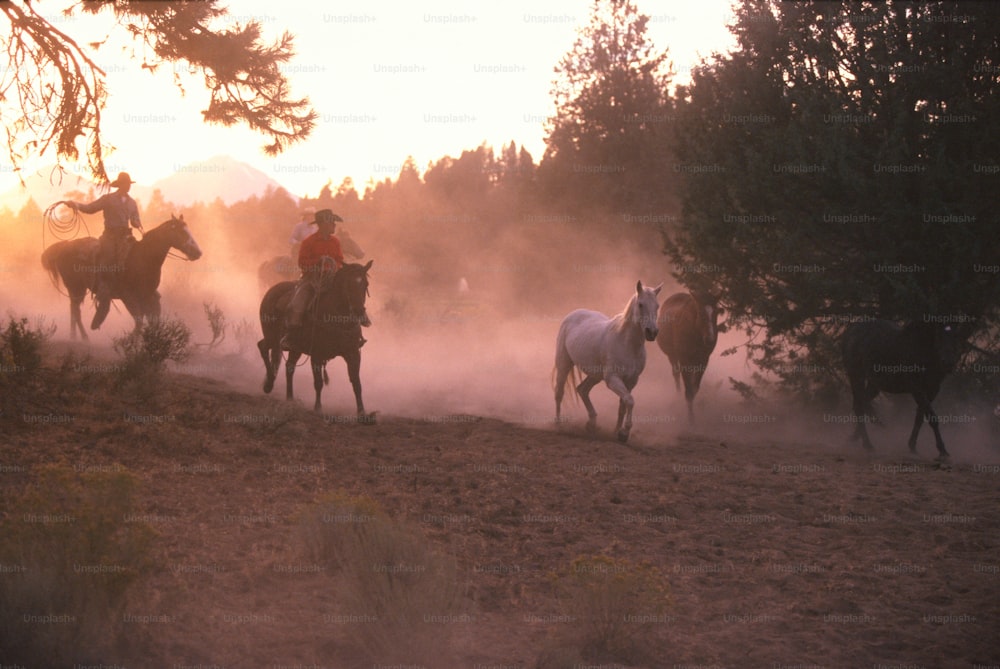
{"points": [[622, 320]]}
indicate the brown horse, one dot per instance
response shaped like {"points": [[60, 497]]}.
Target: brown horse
{"points": [[331, 328], [74, 262], [688, 334]]}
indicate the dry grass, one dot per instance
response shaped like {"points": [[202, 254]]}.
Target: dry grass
{"points": [[401, 596], [614, 606], [71, 548]]}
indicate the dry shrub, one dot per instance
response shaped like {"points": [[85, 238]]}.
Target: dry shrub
{"points": [[400, 598], [145, 352], [616, 607], [69, 556]]}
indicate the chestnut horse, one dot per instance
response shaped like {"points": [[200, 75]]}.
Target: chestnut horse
{"points": [[75, 263], [688, 333], [331, 328]]}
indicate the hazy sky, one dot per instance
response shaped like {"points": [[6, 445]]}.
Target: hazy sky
{"points": [[395, 79]]}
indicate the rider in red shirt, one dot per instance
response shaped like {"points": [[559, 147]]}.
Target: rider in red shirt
{"points": [[317, 246]]}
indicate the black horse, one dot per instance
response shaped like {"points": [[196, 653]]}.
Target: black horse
{"points": [[331, 328], [881, 356], [74, 262]]}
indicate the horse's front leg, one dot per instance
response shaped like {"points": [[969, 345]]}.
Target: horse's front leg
{"points": [[293, 358], [626, 403], [583, 390], [353, 361], [269, 369], [318, 367], [924, 410]]}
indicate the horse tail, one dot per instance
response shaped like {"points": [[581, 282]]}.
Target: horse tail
{"points": [[573, 379], [50, 260]]}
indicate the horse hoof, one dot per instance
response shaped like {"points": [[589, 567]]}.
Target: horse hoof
{"points": [[366, 418], [622, 436], [268, 386]]}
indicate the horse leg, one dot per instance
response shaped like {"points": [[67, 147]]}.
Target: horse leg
{"points": [[675, 367], [625, 405], [584, 391], [562, 374], [621, 416], [270, 372], [293, 357], [861, 396], [318, 368], [924, 410], [691, 383], [353, 361], [75, 317], [153, 308]]}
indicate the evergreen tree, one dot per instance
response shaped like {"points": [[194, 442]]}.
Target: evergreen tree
{"points": [[58, 91], [607, 142], [841, 164]]}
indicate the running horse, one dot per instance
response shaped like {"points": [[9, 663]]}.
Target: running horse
{"points": [[881, 356], [74, 262], [606, 349], [688, 333], [331, 328]]}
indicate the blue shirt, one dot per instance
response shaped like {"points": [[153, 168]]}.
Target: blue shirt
{"points": [[119, 210]]}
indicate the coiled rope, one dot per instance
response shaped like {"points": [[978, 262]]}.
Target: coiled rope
{"points": [[60, 225]]}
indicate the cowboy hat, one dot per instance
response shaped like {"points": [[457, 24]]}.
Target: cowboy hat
{"points": [[326, 216], [123, 179]]}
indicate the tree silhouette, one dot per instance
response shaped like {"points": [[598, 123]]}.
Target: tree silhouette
{"points": [[58, 92], [607, 142], [840, 164]]}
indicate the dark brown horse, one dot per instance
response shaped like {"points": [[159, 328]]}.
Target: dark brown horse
{"points": [[134, 283], [331, 328], [688, 334], [881, 356]]}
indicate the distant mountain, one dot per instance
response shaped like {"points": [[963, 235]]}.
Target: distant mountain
{"points": [[46, 187], [219, 177]]}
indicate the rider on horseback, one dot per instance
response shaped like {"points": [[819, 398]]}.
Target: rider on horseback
{"points": [[314, 250], [120, 211]]}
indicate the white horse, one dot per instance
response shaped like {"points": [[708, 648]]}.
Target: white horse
{"points": [[608, 349]]}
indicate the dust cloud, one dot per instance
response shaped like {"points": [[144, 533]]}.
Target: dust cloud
{"points": [[477, 338]]}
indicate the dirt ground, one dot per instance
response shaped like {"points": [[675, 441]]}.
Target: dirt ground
{"points": [[779, 552]]}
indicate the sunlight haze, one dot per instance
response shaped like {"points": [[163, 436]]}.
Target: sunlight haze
{"points": [[390, 81]]}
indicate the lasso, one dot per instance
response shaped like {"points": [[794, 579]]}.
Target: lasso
{"points": [[62, 227]]}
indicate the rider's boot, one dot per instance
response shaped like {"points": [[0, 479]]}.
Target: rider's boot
{"points": [[292, 331], [102, 291]]}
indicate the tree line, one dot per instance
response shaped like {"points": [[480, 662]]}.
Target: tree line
{"points": [[840, 163]]}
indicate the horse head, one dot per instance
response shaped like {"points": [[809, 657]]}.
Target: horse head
{"points": [[947, 340], [178, 235], [345, 295], [643, 309]]}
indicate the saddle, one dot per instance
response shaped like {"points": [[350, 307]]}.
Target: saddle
{"points": [[108, 257]]}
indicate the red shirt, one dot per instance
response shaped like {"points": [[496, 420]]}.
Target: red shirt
{"points": [[314, 247]]}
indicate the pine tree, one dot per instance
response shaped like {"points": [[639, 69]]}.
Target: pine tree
{"points": [[607, 142], [57, 91], [841, 164]]}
